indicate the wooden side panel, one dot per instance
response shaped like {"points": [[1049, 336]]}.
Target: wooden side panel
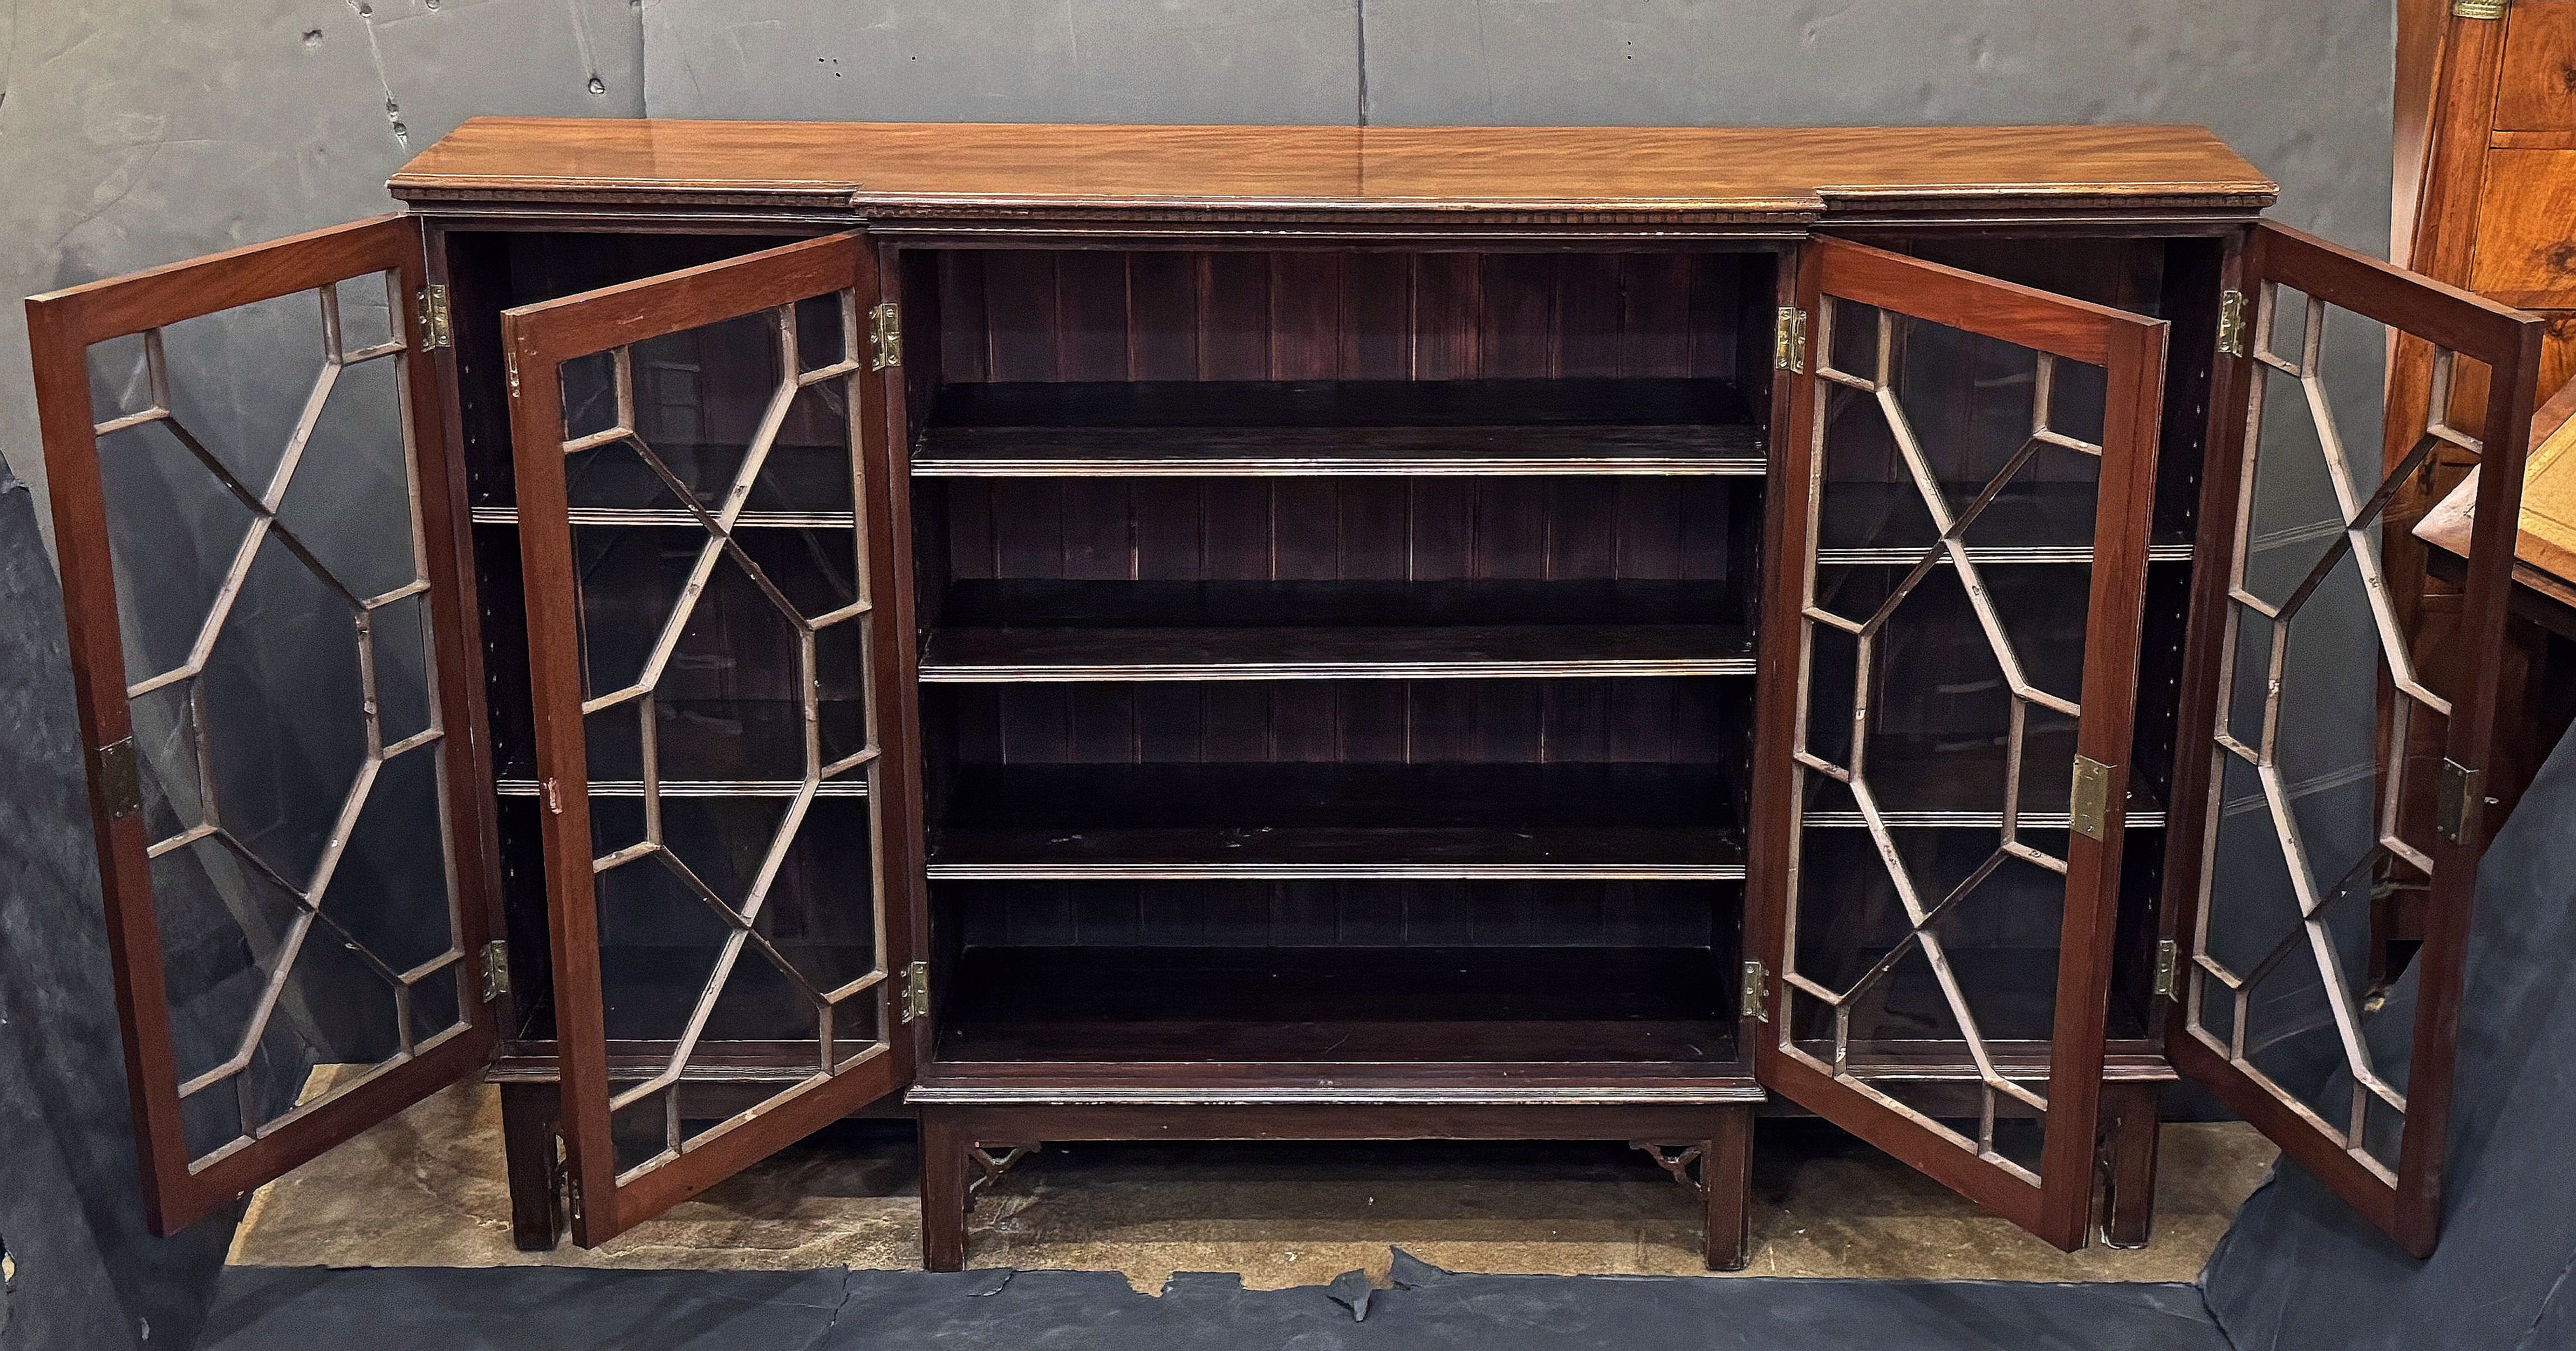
{"points": [[2526, 244], [2536, 89]]}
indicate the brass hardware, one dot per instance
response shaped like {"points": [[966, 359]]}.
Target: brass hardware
{"points": [[496, 969], [2086, 805], [2168, 968], [1789, 340], [116, 780], [554, 799], [513, 364], [1755, 1000], [885, 336], [572, 1194], [2455, 801], [2479, 9], [916, 991], [2231, 323], [436, 331]]}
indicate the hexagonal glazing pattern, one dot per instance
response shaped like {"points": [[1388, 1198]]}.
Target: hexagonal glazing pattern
{"points": [[2220, 1000], [297, 914], [736, 587], [2021, 835]]}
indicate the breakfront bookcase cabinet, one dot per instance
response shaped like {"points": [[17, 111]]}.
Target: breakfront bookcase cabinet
{"points": [[1098, 633]]}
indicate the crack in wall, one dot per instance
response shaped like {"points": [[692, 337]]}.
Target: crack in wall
{"points": [[366, 13]]}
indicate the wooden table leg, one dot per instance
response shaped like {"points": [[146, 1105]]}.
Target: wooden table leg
{"points": [[528, 1121], [1726, 1188], [944, 1143], [2129, 1132]]}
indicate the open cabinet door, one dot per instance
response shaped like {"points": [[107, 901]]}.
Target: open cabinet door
{"points": [[271, 641], [1965, 522], [2313, 737], [699, 527]]}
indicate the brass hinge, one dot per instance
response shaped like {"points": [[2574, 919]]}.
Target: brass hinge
{"points": [[2086, 805], [2455, 801], [116, 780], [916, 991], [435, 329], [2479, 9], [1754, 999], [513, 364], [554, 799], [2168, 967], [1789, 340], [885, 336], [496, 969], [2231, 323]]}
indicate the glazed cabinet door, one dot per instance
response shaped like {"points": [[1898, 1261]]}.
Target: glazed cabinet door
{"points": [[702, 533], [1952, 647], [271, 646], [2316, 730]]}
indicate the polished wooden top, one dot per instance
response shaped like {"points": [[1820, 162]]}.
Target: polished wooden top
{"points": [[961, 169]]}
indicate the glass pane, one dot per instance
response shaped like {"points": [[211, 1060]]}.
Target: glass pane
{"points": [[1933, 426], [2331, 733], [279, 660], [723, 592], [1955, 484]]}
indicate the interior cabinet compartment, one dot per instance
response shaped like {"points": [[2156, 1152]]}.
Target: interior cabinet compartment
{"points": [[1630, 779], [1335, 658], [1342, 974], [1260, 579], [1311, 428]]}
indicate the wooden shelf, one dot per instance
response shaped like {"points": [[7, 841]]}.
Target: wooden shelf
{"points": [[1342, 1008], [1339, 428], [968, 655], [1339, 822], [1447, 603], [1320, 853]]}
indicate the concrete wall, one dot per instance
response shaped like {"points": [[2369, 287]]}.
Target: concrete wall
{"points": [[140, 132]]}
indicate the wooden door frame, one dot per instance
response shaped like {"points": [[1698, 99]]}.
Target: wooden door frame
{"points": [[2131, 350], [539, 338], [2508, 341], [62, 326]]}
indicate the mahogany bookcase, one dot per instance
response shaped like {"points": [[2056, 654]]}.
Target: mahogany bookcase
{"points": [[1082, 633]]}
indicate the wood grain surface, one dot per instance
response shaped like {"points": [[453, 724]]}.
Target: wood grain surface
{"points": [[897, 170]]}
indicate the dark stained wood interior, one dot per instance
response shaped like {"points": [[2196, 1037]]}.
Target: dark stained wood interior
{"points": [[1294, 600]]}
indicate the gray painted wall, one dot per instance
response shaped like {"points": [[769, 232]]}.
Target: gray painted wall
{"points": [[136, 132], [140, 132]]}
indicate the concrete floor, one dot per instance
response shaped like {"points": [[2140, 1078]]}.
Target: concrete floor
{"points": [[426, 1190]]}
